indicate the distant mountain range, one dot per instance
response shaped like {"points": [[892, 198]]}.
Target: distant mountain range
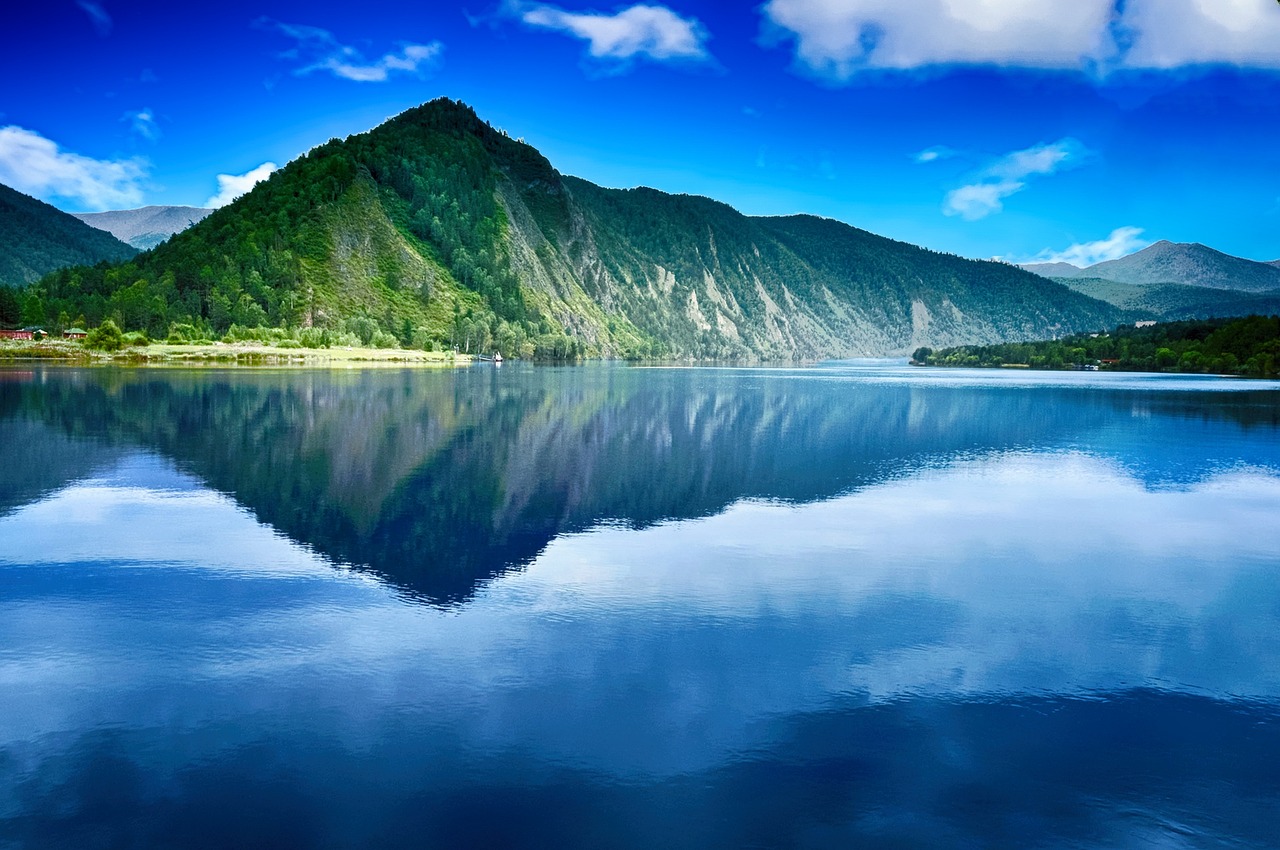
{"points": [[37, 238], [1181, 263], [1172, 302], [147, 227]]}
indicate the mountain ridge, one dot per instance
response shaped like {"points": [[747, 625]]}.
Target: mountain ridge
{"points": [[145, 227], [1180, 263], [37, 238], [436, 229]]}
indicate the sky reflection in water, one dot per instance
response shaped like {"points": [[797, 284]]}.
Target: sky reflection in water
{"points": [[1055, 631]]}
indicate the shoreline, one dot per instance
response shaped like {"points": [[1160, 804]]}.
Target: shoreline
{"points": [[61, 352]]}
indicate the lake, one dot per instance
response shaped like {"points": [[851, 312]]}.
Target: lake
{"points": [[855, 605]]}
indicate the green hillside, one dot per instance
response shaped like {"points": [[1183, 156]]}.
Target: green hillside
{"points": [[1175, 301], [36, 238], [436, 230]]}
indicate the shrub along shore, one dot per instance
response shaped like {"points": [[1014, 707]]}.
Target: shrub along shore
{"points": [[110, 346]]}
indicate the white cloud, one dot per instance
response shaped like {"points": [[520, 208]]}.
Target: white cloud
{"points": [[655, 32], [97, 16], [1175, 33], [317, 50], [35, 165], [933, 154], [1009, 175], [232, 186], [143, 122], [980, 200], [839, 38], [1122, 242]]}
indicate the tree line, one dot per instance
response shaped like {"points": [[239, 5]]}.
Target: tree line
{"points": [[1242, 346]]}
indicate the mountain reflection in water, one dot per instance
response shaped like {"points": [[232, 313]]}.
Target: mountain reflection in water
{"points": [[439, 482]]}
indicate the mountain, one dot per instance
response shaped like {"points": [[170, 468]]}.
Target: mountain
{"points": [[438, 229], [1053, 270], [1182, 263], [1191, 264], [1172, 302], [37, 238], [147, 227]]}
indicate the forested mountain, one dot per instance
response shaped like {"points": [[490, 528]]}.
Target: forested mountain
{"points": [[441, 230], [1181, 263], [37, 238], [147, 227]]}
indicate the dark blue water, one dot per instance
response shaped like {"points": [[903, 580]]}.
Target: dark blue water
{"points": [[852, 606]]}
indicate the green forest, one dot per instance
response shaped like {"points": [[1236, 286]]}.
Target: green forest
{"points": [[37, 238], [434, 275], [1247, 346]]}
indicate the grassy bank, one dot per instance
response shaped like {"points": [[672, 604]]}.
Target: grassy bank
{"points": [[224, 354]]}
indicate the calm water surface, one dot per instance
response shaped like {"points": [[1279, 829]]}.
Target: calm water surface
{"points": [[849, 606]]}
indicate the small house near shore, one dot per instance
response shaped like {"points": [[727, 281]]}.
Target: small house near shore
{"points": [[75, 333], [21, 334]]}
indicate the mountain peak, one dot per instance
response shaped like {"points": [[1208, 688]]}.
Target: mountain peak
{"points": [[1190, 264]]}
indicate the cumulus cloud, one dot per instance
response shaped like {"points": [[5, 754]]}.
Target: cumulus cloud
{"points": [[653, 32], [839, 38], [1122, 242], [97, 16], [1009, 175], [36, 166], [232, 186], [1176, 33], [316, 49], [143, 122]]}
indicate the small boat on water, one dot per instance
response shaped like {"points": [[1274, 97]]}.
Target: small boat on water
{"points": [[485, 358]]}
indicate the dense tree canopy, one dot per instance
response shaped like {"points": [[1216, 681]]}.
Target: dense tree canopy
{"points": [[1248, 346]]}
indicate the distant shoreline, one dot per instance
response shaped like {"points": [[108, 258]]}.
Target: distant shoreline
{"points": [[224, 354]]}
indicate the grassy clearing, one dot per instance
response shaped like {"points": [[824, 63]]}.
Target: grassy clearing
{"points": [[226, 354]]}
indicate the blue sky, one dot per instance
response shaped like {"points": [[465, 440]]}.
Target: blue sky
{"points": [[1028, 130]]}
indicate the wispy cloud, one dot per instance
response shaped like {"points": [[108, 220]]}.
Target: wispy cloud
{"points": [[232, 186], [143, 122], [837, 39], [934, 154], [1009, 175], [317, 49], [97, 16], [35, 165], [640, 31], [1122, 242]]}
